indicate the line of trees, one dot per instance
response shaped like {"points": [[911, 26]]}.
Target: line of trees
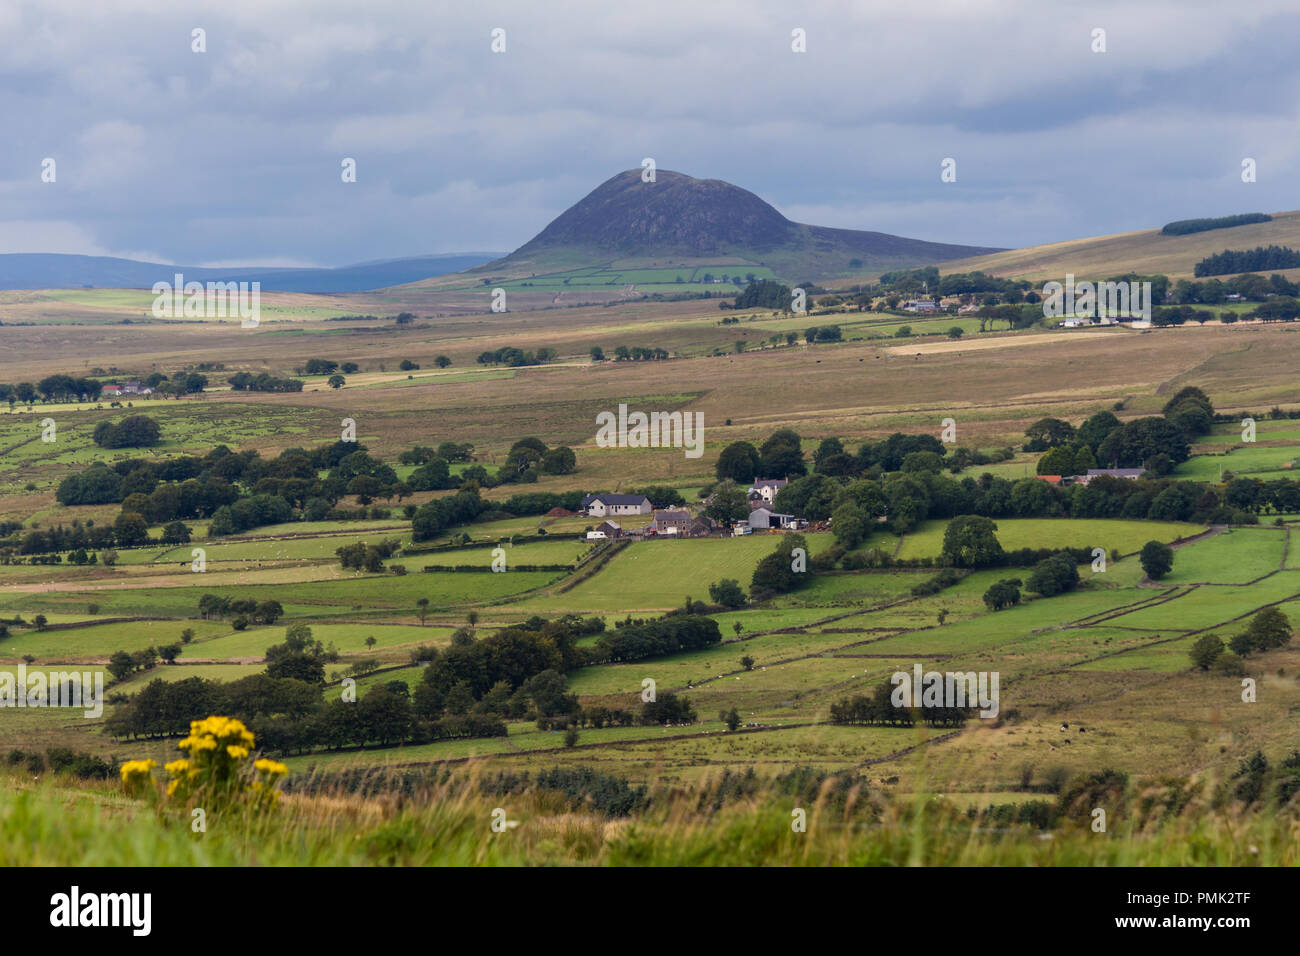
{"points": [[878, 710], [1247, 260], [1186, 227], [515, 358], [263, 382]]}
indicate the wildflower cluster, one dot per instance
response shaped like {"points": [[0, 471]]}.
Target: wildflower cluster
{"points": [[136, 774], [217, 770]]}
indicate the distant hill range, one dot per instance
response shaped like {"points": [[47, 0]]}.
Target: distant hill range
{"points": [[680, 218], [53, 271]]}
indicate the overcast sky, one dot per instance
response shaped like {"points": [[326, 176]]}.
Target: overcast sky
{"points": [[233, 155]]}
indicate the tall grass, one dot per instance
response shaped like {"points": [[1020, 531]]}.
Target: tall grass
{"points": [[57, 822]]}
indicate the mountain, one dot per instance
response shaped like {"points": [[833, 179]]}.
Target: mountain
{"points": [[681, 217], [53, 271]]}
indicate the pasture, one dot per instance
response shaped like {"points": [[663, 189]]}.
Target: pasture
{"points": [[1111, 655]]}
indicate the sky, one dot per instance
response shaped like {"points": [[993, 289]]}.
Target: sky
{"points": [[234, 155]]}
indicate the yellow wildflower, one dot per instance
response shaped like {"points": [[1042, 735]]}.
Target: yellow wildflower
{"points": [[137, 768]]}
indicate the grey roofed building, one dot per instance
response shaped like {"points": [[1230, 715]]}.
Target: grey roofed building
{"points": [[610, 504], [766, 518], [1132, 474]]}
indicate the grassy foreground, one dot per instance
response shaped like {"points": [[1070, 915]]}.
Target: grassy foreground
{"points": [[58, 822]]}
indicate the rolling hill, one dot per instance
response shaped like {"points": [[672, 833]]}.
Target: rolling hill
{"points": [[1146, 251]]}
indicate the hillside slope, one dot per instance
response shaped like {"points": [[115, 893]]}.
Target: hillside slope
{"points": [[1146, 251]]}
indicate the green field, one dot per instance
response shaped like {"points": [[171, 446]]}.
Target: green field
{"points": [[1014, 533]]}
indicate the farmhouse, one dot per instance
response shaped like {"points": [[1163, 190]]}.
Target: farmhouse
{"points": [[921, 305], [599, 506], [1132, 474], [766, 488], [670, 522], [111, 391]]}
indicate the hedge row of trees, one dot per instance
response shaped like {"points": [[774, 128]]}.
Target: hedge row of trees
{"points": [[517, 357], [878, 710]]}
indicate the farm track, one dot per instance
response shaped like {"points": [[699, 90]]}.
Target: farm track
{"points": [[1093, 620], [942, 738]]}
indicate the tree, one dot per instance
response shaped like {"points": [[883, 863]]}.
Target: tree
{"points": [[559, 460], [776, 572], [1094, 431], [442, 361], [1133, 443], [971, 541], [1048, 433], [781, 455], [730, 717], [120, 665], [955, 332], [727, 592], [187, 635], [1054, 575], [849, 524], [169, 652], [40, 620], [135, 431], [130, 529], [1005, 593], [747, 662], [1269, 628], [728, 503], [739, 462], [1057, 461], [422, 609], [336, 381], [1157, 559], [1206, 651], [175, 532]]}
